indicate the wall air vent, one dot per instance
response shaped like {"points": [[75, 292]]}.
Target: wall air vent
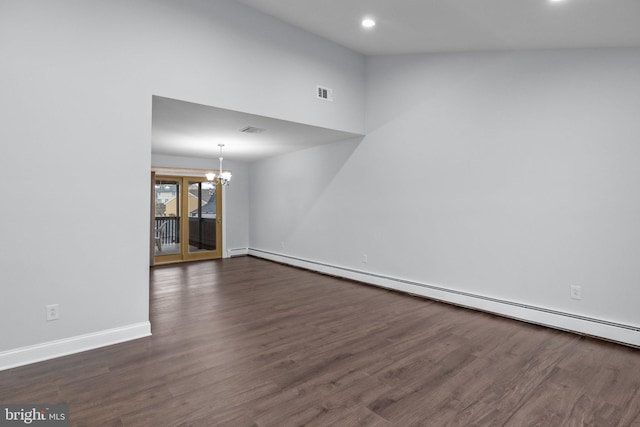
{"points": [[251, 129], [324, 93]]}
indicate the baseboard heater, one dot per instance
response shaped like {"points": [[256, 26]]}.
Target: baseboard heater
{"points": [[600, 328], [237, 252]]}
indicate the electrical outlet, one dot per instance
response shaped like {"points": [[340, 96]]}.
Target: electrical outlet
{"points": [[53, 312], [576, 291], [365, 259]]}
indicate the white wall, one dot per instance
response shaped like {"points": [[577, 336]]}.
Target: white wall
{"points": [[507, 176], [236, 195], [295, 203], [77, 78]]}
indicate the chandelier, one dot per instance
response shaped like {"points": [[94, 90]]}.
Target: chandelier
{"points": [[222, 177]]}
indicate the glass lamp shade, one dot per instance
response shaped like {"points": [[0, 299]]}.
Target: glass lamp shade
{"points": [[226, 176]]}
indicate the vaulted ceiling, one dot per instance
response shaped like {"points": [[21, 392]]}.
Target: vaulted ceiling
{"points": [[402, 26], [412, 26]]}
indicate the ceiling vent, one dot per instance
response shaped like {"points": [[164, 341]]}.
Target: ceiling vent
{"points": [[324, 93], [251, 129]]}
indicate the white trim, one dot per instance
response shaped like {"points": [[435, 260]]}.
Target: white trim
{"points": [[626, 334], [237, 252], [64, 347], [224, 222]]}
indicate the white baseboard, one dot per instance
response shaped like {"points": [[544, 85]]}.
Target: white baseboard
{"points": [[237, 252], [64, 347], [625, 334]]}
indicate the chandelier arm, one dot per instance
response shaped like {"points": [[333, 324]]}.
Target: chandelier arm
{"points": [[222, 177]]}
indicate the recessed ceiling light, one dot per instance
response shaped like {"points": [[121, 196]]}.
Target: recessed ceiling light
{"points": [[556, 1], [368, 23]]}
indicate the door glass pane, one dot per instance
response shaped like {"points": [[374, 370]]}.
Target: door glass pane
{"points": [[167, 220], [202, 216]]}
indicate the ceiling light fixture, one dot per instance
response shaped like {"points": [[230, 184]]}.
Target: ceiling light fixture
{"points": [[222, 176], [368, 23]]}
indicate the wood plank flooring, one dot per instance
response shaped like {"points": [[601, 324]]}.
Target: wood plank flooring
{"points": [[247, 342]]}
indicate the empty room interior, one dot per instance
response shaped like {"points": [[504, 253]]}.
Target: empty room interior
{"points": [[432, 215]]}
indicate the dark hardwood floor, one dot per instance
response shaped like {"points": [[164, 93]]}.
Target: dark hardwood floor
{"points": [[247, 342]]}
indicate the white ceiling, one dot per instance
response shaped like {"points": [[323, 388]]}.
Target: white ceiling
{"points": [[413, 26], [186, 129]]}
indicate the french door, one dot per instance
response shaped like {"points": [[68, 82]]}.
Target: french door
{"points": [[187, 220]]}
